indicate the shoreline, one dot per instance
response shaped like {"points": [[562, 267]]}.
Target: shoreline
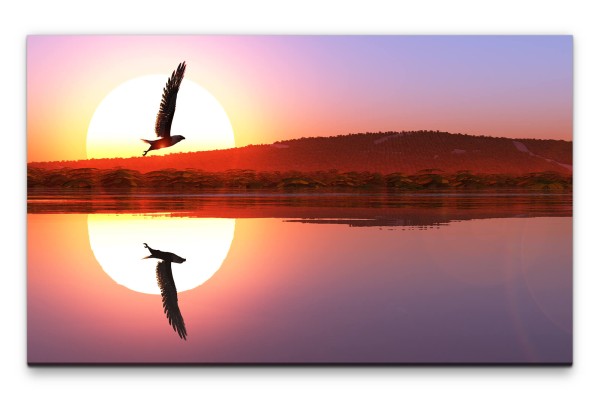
{"points": [[200, 181]]}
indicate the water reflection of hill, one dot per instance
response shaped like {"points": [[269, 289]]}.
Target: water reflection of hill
{"points": [[360, 210]]}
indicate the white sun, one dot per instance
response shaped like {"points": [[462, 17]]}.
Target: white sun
{"points": [[117, 242], [128, 113]]}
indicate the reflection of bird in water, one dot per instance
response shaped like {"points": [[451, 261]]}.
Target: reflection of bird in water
{"points": [[164, 277], [164, 118]]}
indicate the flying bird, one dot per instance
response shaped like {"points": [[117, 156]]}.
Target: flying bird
{"points": [[168, 291], [164, 118]]}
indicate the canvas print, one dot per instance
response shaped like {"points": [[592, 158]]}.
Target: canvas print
{"points": [[299, 199]]}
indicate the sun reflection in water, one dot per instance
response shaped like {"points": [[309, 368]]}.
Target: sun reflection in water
{"points": [[117, 241]]}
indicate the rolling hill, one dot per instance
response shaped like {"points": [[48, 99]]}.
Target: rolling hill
{"points": [[382, 152]]}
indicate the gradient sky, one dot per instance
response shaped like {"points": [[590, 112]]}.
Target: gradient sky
{"points": [[281, 87]]}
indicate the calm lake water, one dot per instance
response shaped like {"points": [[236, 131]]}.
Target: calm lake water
{"points": [[301, 278]]}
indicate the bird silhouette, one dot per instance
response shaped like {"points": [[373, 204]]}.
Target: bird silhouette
{"points": [[168, 291], [164, 118]]}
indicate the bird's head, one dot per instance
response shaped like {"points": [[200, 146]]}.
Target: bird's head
{"points": [[177, 259], [177, 138]]}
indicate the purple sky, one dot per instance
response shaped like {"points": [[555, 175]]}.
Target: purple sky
{"points": [[281, 87]]}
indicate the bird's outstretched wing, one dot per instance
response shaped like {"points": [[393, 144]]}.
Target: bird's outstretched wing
{"points": [[164, 118], [164, 277]]}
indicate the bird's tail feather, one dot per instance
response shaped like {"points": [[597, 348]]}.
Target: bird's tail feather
{"points": [[146, 140]]}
